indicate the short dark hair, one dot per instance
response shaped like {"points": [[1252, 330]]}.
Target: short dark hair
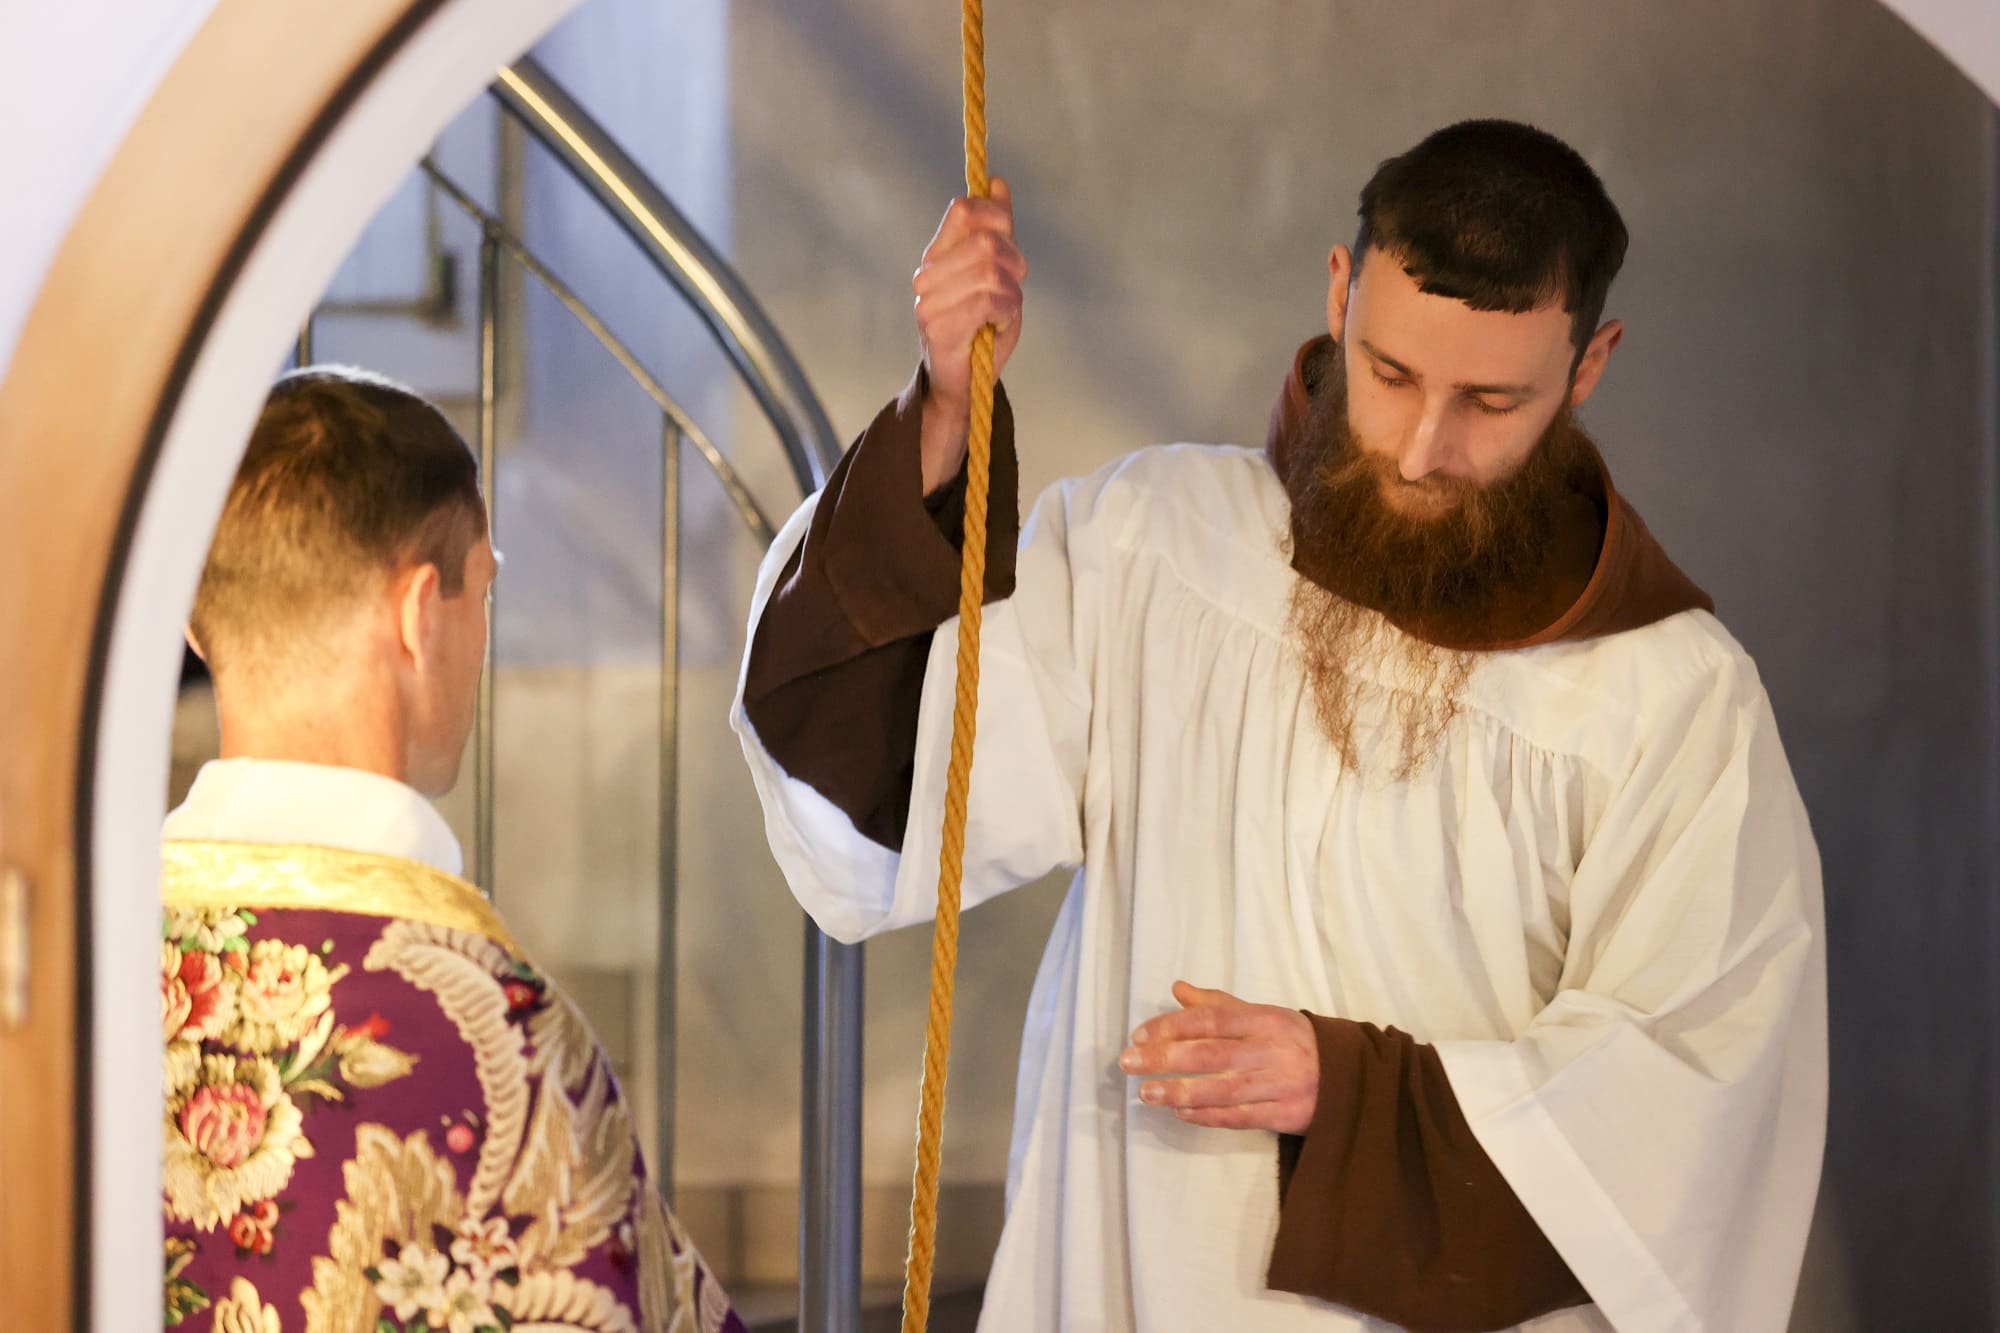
{"points": [[347, 477], [1501, 216]]}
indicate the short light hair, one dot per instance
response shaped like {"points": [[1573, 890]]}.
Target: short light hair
{"points": [[348, 478]]}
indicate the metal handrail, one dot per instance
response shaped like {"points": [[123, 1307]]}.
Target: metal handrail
{"points": [[684, 258], [498, 233], [830, 1129]]}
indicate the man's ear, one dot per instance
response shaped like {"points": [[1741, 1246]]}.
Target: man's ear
{"points": [[1340, 280], [418, 592], [1590, 366], [194, 644]]}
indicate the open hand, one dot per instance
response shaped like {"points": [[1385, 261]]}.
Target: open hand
{"points": [[1229, 1063]]}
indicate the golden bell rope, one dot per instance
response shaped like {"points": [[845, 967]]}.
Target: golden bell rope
{"points": [[958, 777]]}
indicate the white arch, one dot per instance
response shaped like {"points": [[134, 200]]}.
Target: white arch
{"points": [[1966, 30], [393, 121]]}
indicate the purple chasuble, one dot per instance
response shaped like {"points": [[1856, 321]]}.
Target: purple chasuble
{"points": [[379, 1118]]}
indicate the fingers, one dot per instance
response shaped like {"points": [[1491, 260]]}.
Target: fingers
{"points": [[1205, 1056], [1222, 1062], [1234, 1019], [966, 216], [1289, 1116], [971, 276], [977, 257], [947, 331], [1237, 1087], [949, 283], [1189, 995], [1280, 1098]]}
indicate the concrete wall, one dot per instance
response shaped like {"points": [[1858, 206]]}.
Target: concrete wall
{"points": [[1801, 410]]}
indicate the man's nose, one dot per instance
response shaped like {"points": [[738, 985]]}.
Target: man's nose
{"points": [[1428, 445]]}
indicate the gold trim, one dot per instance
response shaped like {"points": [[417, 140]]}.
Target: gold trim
{"points": [[279, 875]]}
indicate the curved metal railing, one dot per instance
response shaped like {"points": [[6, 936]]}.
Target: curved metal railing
{"points": [[830, 1149], [684, 258]]}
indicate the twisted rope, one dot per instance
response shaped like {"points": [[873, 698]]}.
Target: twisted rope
{"points": [[958, 777]]}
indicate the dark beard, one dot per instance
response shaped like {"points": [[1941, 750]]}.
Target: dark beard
{"points": [[1452, 582]]}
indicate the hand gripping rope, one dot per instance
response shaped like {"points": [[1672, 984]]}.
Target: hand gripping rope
{"points": [[958, 777]]}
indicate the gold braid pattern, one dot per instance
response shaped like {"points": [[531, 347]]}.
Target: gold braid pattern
{"points": [[958, 777]]}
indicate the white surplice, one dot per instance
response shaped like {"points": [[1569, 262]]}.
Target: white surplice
{"points": [[1601, 901]]}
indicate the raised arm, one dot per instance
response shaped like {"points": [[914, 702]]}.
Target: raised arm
{"points": [[836, 666]]}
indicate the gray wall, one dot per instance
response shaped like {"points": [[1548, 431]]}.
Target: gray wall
{"points": [[1802, 409]]}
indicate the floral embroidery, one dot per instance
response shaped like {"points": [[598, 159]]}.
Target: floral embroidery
{"points": [[485, 1249], [285, 990], [387, 1257], [183, 1067], [466, 1307], [197, 994], [412, 1281], [254, 1231], [245, 1312], [526, 992], [486, 1222], [197, 1004], [209, 930], [367, 1063], [231, 1141], [556, 1178], [183, 1297]]}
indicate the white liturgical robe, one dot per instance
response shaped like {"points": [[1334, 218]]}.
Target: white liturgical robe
{"points": [[1600, 901]]}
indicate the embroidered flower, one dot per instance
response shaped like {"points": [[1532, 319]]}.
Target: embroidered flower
{"points": [[285, 989], [465, 1305], [231, 1141], [197, 995], [224, 1124], [412, 1281], [485, 1249], [245, 1311], [521, 994], [254, 1230], [370, 1064], [175, 1004], [208, 929], [183, 1068]]}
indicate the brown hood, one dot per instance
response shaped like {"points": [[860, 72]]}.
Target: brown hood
{"points": [[1632, 585]]}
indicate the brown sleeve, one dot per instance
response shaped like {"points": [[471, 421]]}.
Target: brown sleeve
{"points": [[1389, 1206], [836, 671]]}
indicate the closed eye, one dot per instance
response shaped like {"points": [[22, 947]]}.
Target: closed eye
{"points": [[1491, 410], [1388, 381]]}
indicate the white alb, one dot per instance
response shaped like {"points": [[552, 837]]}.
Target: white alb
{"points": [[1601, 901]]}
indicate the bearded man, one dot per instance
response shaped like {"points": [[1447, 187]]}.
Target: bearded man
{"points": [[379, 1114], [1446, 947]]}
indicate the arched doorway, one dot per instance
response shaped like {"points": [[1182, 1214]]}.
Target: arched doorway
{"points": [[150, 347], [253, 167]]}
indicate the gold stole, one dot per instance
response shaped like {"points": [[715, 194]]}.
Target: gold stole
{"points": [[288, 875]]}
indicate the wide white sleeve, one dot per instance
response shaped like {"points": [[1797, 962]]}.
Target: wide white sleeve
{"points": [[1025, 813], [1663, 1119]]}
